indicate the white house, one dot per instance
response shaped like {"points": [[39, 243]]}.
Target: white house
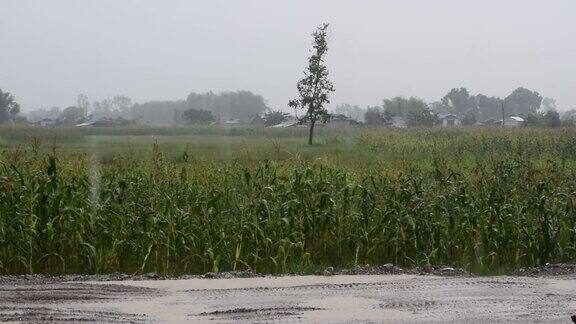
{"points": [[449, 120], [46, 122], [233, 121], [514, 121], [85, 124], [292, 122]]}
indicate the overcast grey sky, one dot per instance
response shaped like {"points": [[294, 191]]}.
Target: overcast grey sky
{"points": [[50, 51]]}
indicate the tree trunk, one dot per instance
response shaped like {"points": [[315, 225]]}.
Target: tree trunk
{"points": [[311, 133]]}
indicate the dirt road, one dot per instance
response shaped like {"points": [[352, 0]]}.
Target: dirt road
{"points": [[341, 298]]}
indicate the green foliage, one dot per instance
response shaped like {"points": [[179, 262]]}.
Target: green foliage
{"points": [[229, 104], [118, 106], [9, 108], [72, 116], [315, 88], [489, 107], [534, 119], [19, 133], [160, 112], [352, 111], [19, 119], [440, 108], [375, 116], [569, 118], [193, 116], [552, 119], [522, 102], [422, 117], [469, 119], [275, 117], [487, 200], [460, 100], [223, 106], [402, 107]]}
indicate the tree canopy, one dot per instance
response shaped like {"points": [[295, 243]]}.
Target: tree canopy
{"points": [[522, 102], [352, 111], [160, 112], [195, 116], [314, 89], [376, 116], [71, 115], [275, 117], [9, 108], [118, 106], [401, 107], [228, 105], [489, 107], [460, 100], [422, 117], [549, 104]]}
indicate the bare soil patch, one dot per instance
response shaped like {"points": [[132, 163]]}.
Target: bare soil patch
{"points": [[548, 270], [363, 294]]}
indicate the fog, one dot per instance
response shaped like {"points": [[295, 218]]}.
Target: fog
{"points": [[53, 50]]}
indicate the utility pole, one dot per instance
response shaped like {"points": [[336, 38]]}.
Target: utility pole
{"points": [[503, 115]]}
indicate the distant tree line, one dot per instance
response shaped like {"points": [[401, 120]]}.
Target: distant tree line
{"points": [[202, 108], [228, 105], [530, 105], [197, 108], [460, 102], [160, 112], [244, 105]]}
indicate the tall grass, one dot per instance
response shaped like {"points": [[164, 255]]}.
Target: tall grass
{"points": [[487, 202], [19, 133]]}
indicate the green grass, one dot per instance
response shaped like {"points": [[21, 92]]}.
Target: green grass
{"points": [[211, 199]]}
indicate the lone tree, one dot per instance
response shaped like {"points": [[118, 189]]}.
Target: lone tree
{"points": [[315, 87], [8, 107]]}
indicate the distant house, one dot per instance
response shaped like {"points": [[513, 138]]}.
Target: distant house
{"points": [[102, 122], [448, 120], [397, 122], [233, 121], [514, 121], [340, 121], [489, 122], [85, 124], [46, 122], [293, 122]]}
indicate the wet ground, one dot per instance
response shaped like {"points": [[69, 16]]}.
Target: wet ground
{"points": [[302, 299]]}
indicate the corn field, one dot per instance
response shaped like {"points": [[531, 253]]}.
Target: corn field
{"points": [[486, 203]]}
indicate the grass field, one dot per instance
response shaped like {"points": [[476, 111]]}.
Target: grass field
{"points": [[197, 199]]}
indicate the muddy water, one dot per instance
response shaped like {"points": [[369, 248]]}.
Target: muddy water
{"points": [[389, 298]]}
